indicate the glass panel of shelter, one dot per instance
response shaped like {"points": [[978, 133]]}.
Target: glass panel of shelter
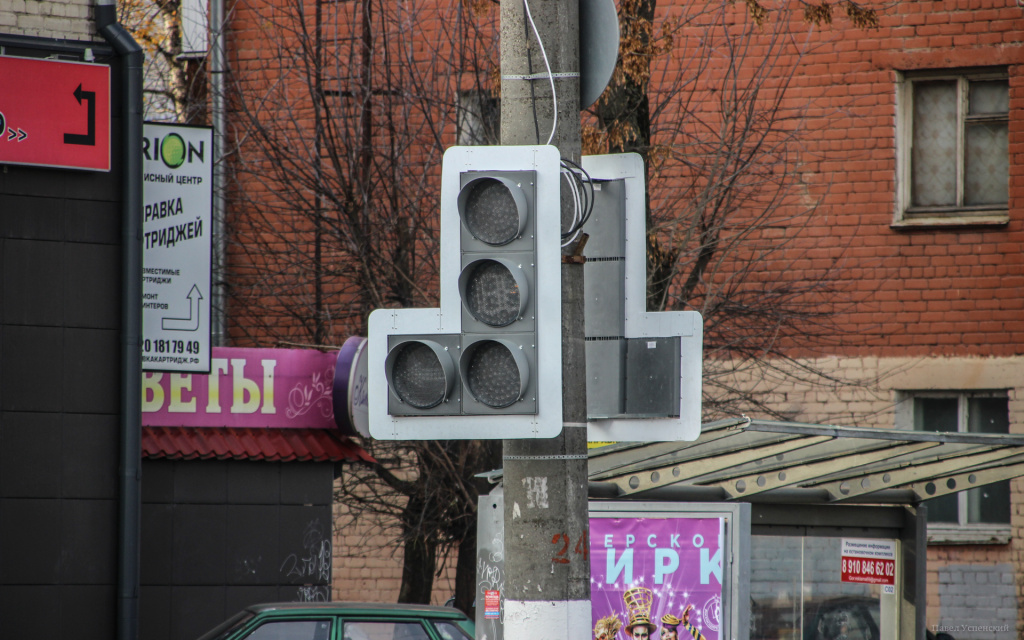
{"points": [[797, 593]]}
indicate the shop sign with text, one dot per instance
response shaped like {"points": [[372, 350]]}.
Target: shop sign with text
{"points": [[277, 388], [177, 233]]}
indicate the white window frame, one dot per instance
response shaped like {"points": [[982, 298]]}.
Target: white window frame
{"points": [[906, 214], [961, 532]]}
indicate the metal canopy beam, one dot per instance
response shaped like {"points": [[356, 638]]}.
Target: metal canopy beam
{"points": [[663, 476], [809, 473], [764, 461]]}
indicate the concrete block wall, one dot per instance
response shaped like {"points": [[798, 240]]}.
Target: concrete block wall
{"points": [[977, 601], [61, 19]]}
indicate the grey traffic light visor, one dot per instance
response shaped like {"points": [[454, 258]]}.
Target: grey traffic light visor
{"points": [[420, 372], [495, 372], [495, 291], [493, 209]]}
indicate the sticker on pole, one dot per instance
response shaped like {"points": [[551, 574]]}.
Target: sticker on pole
{"points": [[492, 603], [177, 231], [869, 561]]}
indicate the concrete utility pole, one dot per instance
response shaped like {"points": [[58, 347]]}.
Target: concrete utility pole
{"points": [[547, 546]]}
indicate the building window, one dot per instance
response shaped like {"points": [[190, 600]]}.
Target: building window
{"points": [[980, 508], [954, 155]]}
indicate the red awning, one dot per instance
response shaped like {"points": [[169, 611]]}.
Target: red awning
{"points": [[272, 445]]}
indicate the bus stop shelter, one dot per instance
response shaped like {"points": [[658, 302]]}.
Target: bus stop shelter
{"points": [[796, 501]]}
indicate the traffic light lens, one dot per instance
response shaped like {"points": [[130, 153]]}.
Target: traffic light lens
{"points": [[492, 294], [418, 377], [493, 377], [490, 212]]}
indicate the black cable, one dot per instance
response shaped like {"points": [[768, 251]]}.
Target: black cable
{"points": [[586, 191], [579, 198]]}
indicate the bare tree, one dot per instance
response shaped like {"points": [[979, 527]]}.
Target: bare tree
{"points": [[340, 121], [340, 124], [704, 97]]}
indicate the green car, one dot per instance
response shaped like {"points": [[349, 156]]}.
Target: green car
{"points": [[344, 621]]}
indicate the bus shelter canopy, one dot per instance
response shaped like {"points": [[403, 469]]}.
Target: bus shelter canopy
{"points": [[764, 461]]}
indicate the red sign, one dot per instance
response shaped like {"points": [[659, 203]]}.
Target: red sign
{"points": [[492, 604], [869, 561], [869, 571], [54, 114]]}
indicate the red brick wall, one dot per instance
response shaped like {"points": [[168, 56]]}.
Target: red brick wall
{"points": [[907, 292], [384, 175]]}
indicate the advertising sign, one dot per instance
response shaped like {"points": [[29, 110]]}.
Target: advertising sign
{"points": [[350, 396], [256, 388], [657, 573], [54, 113], [177, 233], [869, 561]]}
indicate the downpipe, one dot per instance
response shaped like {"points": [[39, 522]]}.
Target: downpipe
{"points": [[130, 471]]}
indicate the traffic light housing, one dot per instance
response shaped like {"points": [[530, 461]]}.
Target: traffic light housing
{"points": [[487, 363], [643, 367]]}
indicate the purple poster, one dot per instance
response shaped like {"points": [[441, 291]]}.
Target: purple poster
{"points": [[650, 577]]}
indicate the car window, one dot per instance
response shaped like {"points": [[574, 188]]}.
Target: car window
{"points": [[226, 628], [366, 630], [292, 630], [450, 631]]}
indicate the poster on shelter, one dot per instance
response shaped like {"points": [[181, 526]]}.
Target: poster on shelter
{"points": [[646, 572]]}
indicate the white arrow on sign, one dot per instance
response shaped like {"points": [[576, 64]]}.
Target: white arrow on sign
{"points": [[191, 323]]}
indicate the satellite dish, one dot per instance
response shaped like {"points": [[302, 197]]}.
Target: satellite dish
{"points": [[599, 48]]}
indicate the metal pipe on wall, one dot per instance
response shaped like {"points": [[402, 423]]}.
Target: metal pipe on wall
{"points": [[130, 471], [218, 321]]}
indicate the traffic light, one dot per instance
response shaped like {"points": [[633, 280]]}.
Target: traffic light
{"points": [[487, 363], [643, 367]]}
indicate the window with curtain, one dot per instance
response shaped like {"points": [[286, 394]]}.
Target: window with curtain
{"points": [[954, 146]]}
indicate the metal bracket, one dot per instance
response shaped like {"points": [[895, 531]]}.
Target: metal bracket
{"points": [[567, 75]]}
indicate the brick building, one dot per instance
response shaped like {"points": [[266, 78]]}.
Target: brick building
{"points": [[910, 157], [908, 194]]}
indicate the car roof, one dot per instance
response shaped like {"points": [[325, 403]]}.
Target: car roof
{"points": [[357, 607]]}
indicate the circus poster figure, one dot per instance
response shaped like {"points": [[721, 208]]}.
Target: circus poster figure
{"points": [[656, 578]]}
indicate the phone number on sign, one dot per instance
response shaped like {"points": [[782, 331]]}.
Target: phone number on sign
{"points": [[170, 346]]}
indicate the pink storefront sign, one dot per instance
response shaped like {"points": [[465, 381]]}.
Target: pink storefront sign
{"points": [[262, 388]]}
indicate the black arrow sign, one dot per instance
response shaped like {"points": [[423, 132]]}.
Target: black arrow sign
{"points": [[89, 138]]}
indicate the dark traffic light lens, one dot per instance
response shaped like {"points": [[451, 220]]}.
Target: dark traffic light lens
{"points": [[490, 212], [418, 377], [493, 376], [492, 294]]}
